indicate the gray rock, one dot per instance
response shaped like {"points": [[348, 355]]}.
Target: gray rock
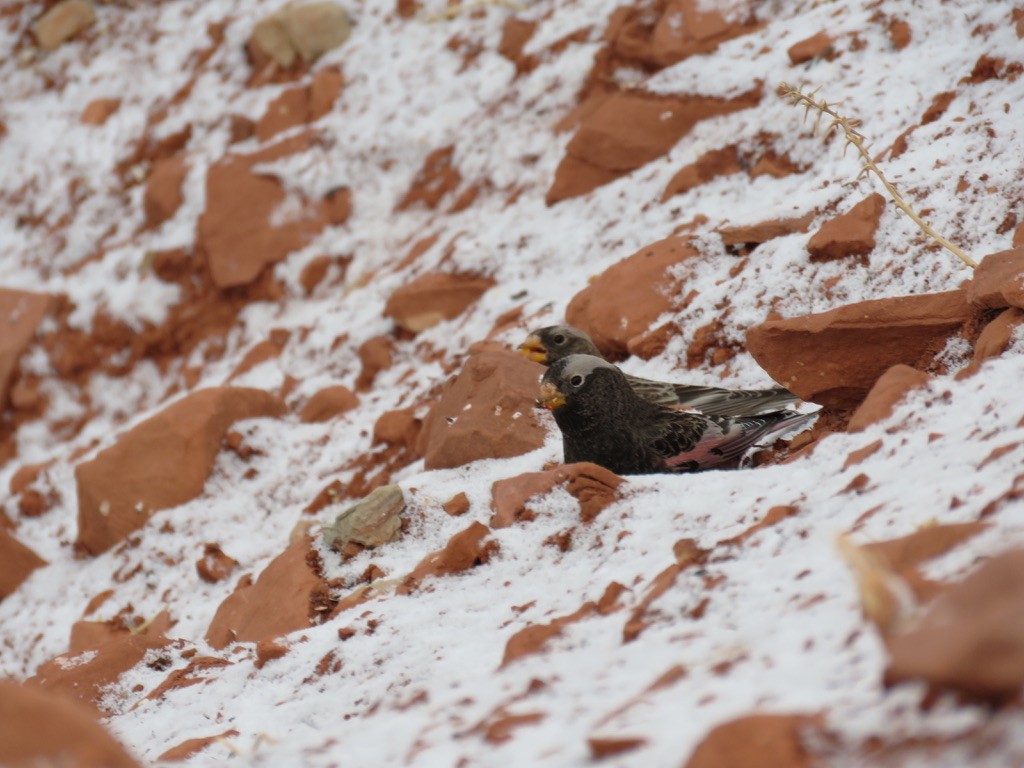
{"points": [[371, 522]]}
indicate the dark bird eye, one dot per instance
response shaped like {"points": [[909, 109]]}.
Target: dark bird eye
{"points": [[576, 380], [559, 339]]}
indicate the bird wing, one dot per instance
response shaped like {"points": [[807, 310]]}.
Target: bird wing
{"points": [[688, 442], [712, 401]]}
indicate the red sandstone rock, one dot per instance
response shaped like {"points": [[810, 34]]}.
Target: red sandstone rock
{"points": [[436, 178], [514, 36], [890, 388], [301, 105], [214, 565], [191, 747], [998, 280], [98, 111], [457, 505], [850, 234], [994, 339], [463, 551], [276, 604], [20, 313], [663, 34], [163, 194], [398, 427], [755, 234], [16, 563], [83, 673], [432, 298], [593, 486], [532, 638], [268, 349], [835, 357], [629, 129], [710, 165], [376, 355], [38, 728], [485, 412], [820, 45], [268, 649], [601, 747], [160, 463], [243, 228], [746, 742], [625, 299], [971, 640], [327, 404], [899, 33], [193, 673]]}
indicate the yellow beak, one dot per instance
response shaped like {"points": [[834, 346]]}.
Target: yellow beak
{"points": [[533, 349], [550, 397]]}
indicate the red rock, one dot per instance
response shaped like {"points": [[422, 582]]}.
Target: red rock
{"points": [[160, 463], [889, 390], [1018, 233], [710, 165], [85, 673], [39, 728], [327, 404], [268, 649], [16, 563], [463, 551], [994, 339], [514, 36], [592, 486], [532, 638], [899, 33], [971, 640], [288, 110], [98, 111], [242, 230], [817, 46], [772, 517], [774, 165], [688, 27], [376, 355], [927, 543], [20, 314], [755, 234], [629, 129], [276, 604], [602, 747], [687, 555], [850, 234], [1017, 17], [214, 565], [268, 349], [398, 427], [998, 280], [746, 741], [860, 454], [625, 299], [835, 357], [337, 205], [191, 747], [436, 178], [192, 674], [432, 298], [485, 412], [663, 34], [457, 505], [163, 194]]}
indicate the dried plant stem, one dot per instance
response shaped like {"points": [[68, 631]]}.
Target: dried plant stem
{"points": [[848, 127], [455, 10]]}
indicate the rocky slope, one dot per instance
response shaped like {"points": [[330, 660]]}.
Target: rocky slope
{"points": [[262, 259]]}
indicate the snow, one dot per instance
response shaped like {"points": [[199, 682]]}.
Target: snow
{"points": [[782, 608]]}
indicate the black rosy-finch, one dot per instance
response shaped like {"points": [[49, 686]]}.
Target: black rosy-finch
{"points": [[551, 344], [604, 421]]}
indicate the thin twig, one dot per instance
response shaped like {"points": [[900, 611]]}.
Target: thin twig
{"points": [[848, 127]]}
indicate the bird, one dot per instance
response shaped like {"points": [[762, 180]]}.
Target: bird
{"points": [[555, 342], [605, 422]]}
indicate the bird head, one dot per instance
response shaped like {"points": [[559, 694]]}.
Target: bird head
{"points": [[567, 377], [550, 344]]}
